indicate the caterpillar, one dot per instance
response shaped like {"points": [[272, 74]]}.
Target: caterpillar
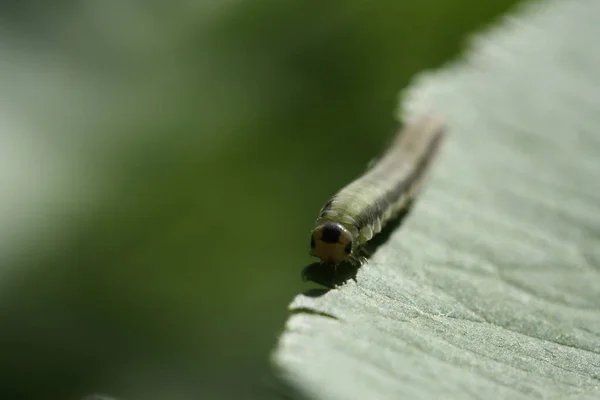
{"points": [[361, 209]]}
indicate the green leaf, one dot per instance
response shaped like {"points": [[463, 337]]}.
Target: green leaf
{"points": [[491, 287]]}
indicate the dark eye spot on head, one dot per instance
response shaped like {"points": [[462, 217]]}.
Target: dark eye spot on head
{"points": [[330, 234], [312, 242], [348, 248]]}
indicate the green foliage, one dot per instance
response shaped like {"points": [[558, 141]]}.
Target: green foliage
{"points": [[490, 288], [165, 163]]}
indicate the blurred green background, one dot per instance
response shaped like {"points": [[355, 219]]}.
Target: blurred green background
{"points": [[161, 166]]}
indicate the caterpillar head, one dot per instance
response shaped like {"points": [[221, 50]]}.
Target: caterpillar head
{"points": [[331, 242]]}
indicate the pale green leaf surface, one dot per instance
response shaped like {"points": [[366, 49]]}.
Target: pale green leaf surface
{"points": [[491, 287]]}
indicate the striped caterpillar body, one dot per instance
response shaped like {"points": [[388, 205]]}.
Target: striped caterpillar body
{"points": [[361, 209]]}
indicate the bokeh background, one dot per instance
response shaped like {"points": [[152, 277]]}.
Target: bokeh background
{"points": [[161, 166]]}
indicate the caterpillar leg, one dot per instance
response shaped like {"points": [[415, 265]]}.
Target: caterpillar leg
{"points": [[364, 255], [360, 259]]}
